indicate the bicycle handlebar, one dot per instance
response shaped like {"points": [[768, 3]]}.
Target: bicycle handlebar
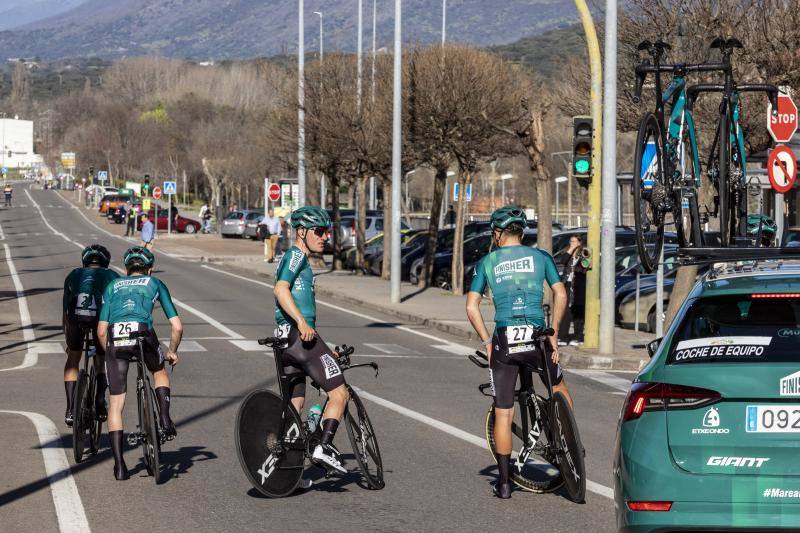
{"points": [[680, 69]]}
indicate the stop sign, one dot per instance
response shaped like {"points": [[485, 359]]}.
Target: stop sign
{"points": [[156, 192], [782, 125], [274, 192]]}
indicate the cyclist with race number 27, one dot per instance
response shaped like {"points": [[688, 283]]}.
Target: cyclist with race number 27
{"points": [[516, 275], [128, 308]]}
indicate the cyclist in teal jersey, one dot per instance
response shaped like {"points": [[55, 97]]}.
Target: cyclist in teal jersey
{"points": [[516, 275], [128, 308], [306, 353], [83, 291]]}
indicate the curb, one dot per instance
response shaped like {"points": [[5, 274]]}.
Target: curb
{"points": [[568, 360]]}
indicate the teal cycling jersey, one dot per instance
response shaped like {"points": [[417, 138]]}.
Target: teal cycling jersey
{"points": [[516, 276], [295, 270], [132, 298], [83, 291]]}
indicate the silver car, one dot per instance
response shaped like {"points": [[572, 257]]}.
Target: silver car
{"points": [[234, 224], [374, 226]]}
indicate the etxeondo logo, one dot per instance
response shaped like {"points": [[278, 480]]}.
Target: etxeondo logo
{"points": [[790, 385]]}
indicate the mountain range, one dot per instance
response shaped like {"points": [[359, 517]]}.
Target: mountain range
{"points": [[234, 29]]}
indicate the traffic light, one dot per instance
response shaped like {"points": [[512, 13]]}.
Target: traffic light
{"points": [[146, 186], [91, 171], [582, 129]]}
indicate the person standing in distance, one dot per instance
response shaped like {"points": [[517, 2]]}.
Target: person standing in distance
{"points": [[148, 232], [273, 226], [295, 313], [128, 308], [516, 274]]}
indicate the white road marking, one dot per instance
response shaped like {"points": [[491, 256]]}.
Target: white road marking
{"points": [[459, 433], [210, 321], [394, 349], [457, 349], [249, 346], [47, 223], [2, 234], [46, 347], [188, 346], [67, 501], [610, 380], [24, 312]]}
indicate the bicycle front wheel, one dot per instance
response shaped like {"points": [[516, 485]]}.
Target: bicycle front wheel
{"points": [[273, 462], [364, 443], [650, 195], [527, 472], [687, 217], [570, 456], [79, 418]]}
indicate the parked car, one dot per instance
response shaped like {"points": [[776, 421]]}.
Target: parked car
{"points": [[180, 225], [251, 223], [790, 235], [234, 223], [707, 435], [112, 201], [372, 248], [374, 225]]}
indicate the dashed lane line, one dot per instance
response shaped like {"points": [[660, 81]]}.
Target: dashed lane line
{"points": [[610, 380], [66, 499], [31, 356]]}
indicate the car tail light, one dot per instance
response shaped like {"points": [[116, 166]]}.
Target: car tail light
{"points": [[775, 296], [657, 396], [649, 506]]}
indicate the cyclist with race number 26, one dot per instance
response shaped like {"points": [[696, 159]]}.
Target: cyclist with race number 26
{"points": [[83, 290], [128, 308], [516, 274], [295, 314]]}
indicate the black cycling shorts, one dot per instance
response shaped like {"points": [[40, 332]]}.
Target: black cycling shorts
{"points": [[506, 364], [118, 356], [313, 359], [73, 334]]}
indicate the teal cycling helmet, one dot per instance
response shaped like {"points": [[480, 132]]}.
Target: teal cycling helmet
{"points": [[507, 215], [139, 256], [96, 253], [765, 225], [310, 217]]}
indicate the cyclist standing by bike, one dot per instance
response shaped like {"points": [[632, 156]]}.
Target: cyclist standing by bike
{"points": [[128, 308], [296, 313], [83, 292], [516, 275]]}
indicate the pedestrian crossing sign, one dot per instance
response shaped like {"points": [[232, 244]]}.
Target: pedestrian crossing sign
{"points": [[170, 188]]}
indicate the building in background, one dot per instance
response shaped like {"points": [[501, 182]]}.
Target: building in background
{"points": [[16, 140]]}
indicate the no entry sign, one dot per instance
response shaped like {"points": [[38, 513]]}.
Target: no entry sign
{"points": [[782, 169], [783, 124], [274, 192], [156, 192]]}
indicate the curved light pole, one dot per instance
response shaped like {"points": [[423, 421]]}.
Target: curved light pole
{"points": [[397, 171], [301, 118], [320, 34]]}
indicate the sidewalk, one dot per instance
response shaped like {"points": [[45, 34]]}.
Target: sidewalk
{"points": [[431, 307]]}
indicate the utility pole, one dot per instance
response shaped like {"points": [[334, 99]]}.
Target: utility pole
{"points": [[301, 118], [374, 42], [609, 183], [591, 325], [320, 34], [444, 21], [360, 35], [397, 172]]}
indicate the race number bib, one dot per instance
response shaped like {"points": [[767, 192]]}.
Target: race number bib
{"points": [[282, 331], [520, 334], [86, 305], [122, 332]]}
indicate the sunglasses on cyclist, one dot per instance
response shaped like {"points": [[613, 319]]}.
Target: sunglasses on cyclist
{"points": [[320, 232]]}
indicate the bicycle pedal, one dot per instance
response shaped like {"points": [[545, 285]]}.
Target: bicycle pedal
{"points": [[133, 439]]}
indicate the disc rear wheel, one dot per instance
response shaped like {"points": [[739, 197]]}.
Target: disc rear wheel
{"points": [[570, 457]]}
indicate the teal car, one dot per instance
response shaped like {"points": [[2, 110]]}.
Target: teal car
{"points": [[709, 434]]}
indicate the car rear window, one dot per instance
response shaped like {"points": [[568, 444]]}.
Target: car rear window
{"points": [[760, 327], [233, 215], [254, 216]]}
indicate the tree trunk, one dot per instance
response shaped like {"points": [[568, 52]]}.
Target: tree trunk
{"points": [[337, 222], [544, 198], [684, 281], [386, 265], [433, 226], [457, 265], [361, 221]]}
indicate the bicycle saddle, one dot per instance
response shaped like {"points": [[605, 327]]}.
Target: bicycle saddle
{"points": [[726, 44]]}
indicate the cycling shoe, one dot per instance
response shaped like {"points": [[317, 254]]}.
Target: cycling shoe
{"points": [[502, 490]]}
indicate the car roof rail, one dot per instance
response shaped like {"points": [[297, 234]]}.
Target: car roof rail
{"points": [[712, 255]]}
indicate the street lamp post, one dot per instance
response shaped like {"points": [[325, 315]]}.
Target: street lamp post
{"points": [[374, 42], [360, 35], [560, 179], [320, 34], [396, 151], [444, 21], [301, 129]]}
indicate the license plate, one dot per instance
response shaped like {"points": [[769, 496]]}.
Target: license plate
{"points": [[773, 419], [520, 334]]}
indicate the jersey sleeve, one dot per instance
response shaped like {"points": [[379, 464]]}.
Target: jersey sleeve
{"points": [[105, 307], [479, 278], [550, 270], [291, 265], [166, 300], [67, 291]]}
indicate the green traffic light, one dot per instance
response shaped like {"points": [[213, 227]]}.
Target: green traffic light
{"points": [[582, 166]]}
